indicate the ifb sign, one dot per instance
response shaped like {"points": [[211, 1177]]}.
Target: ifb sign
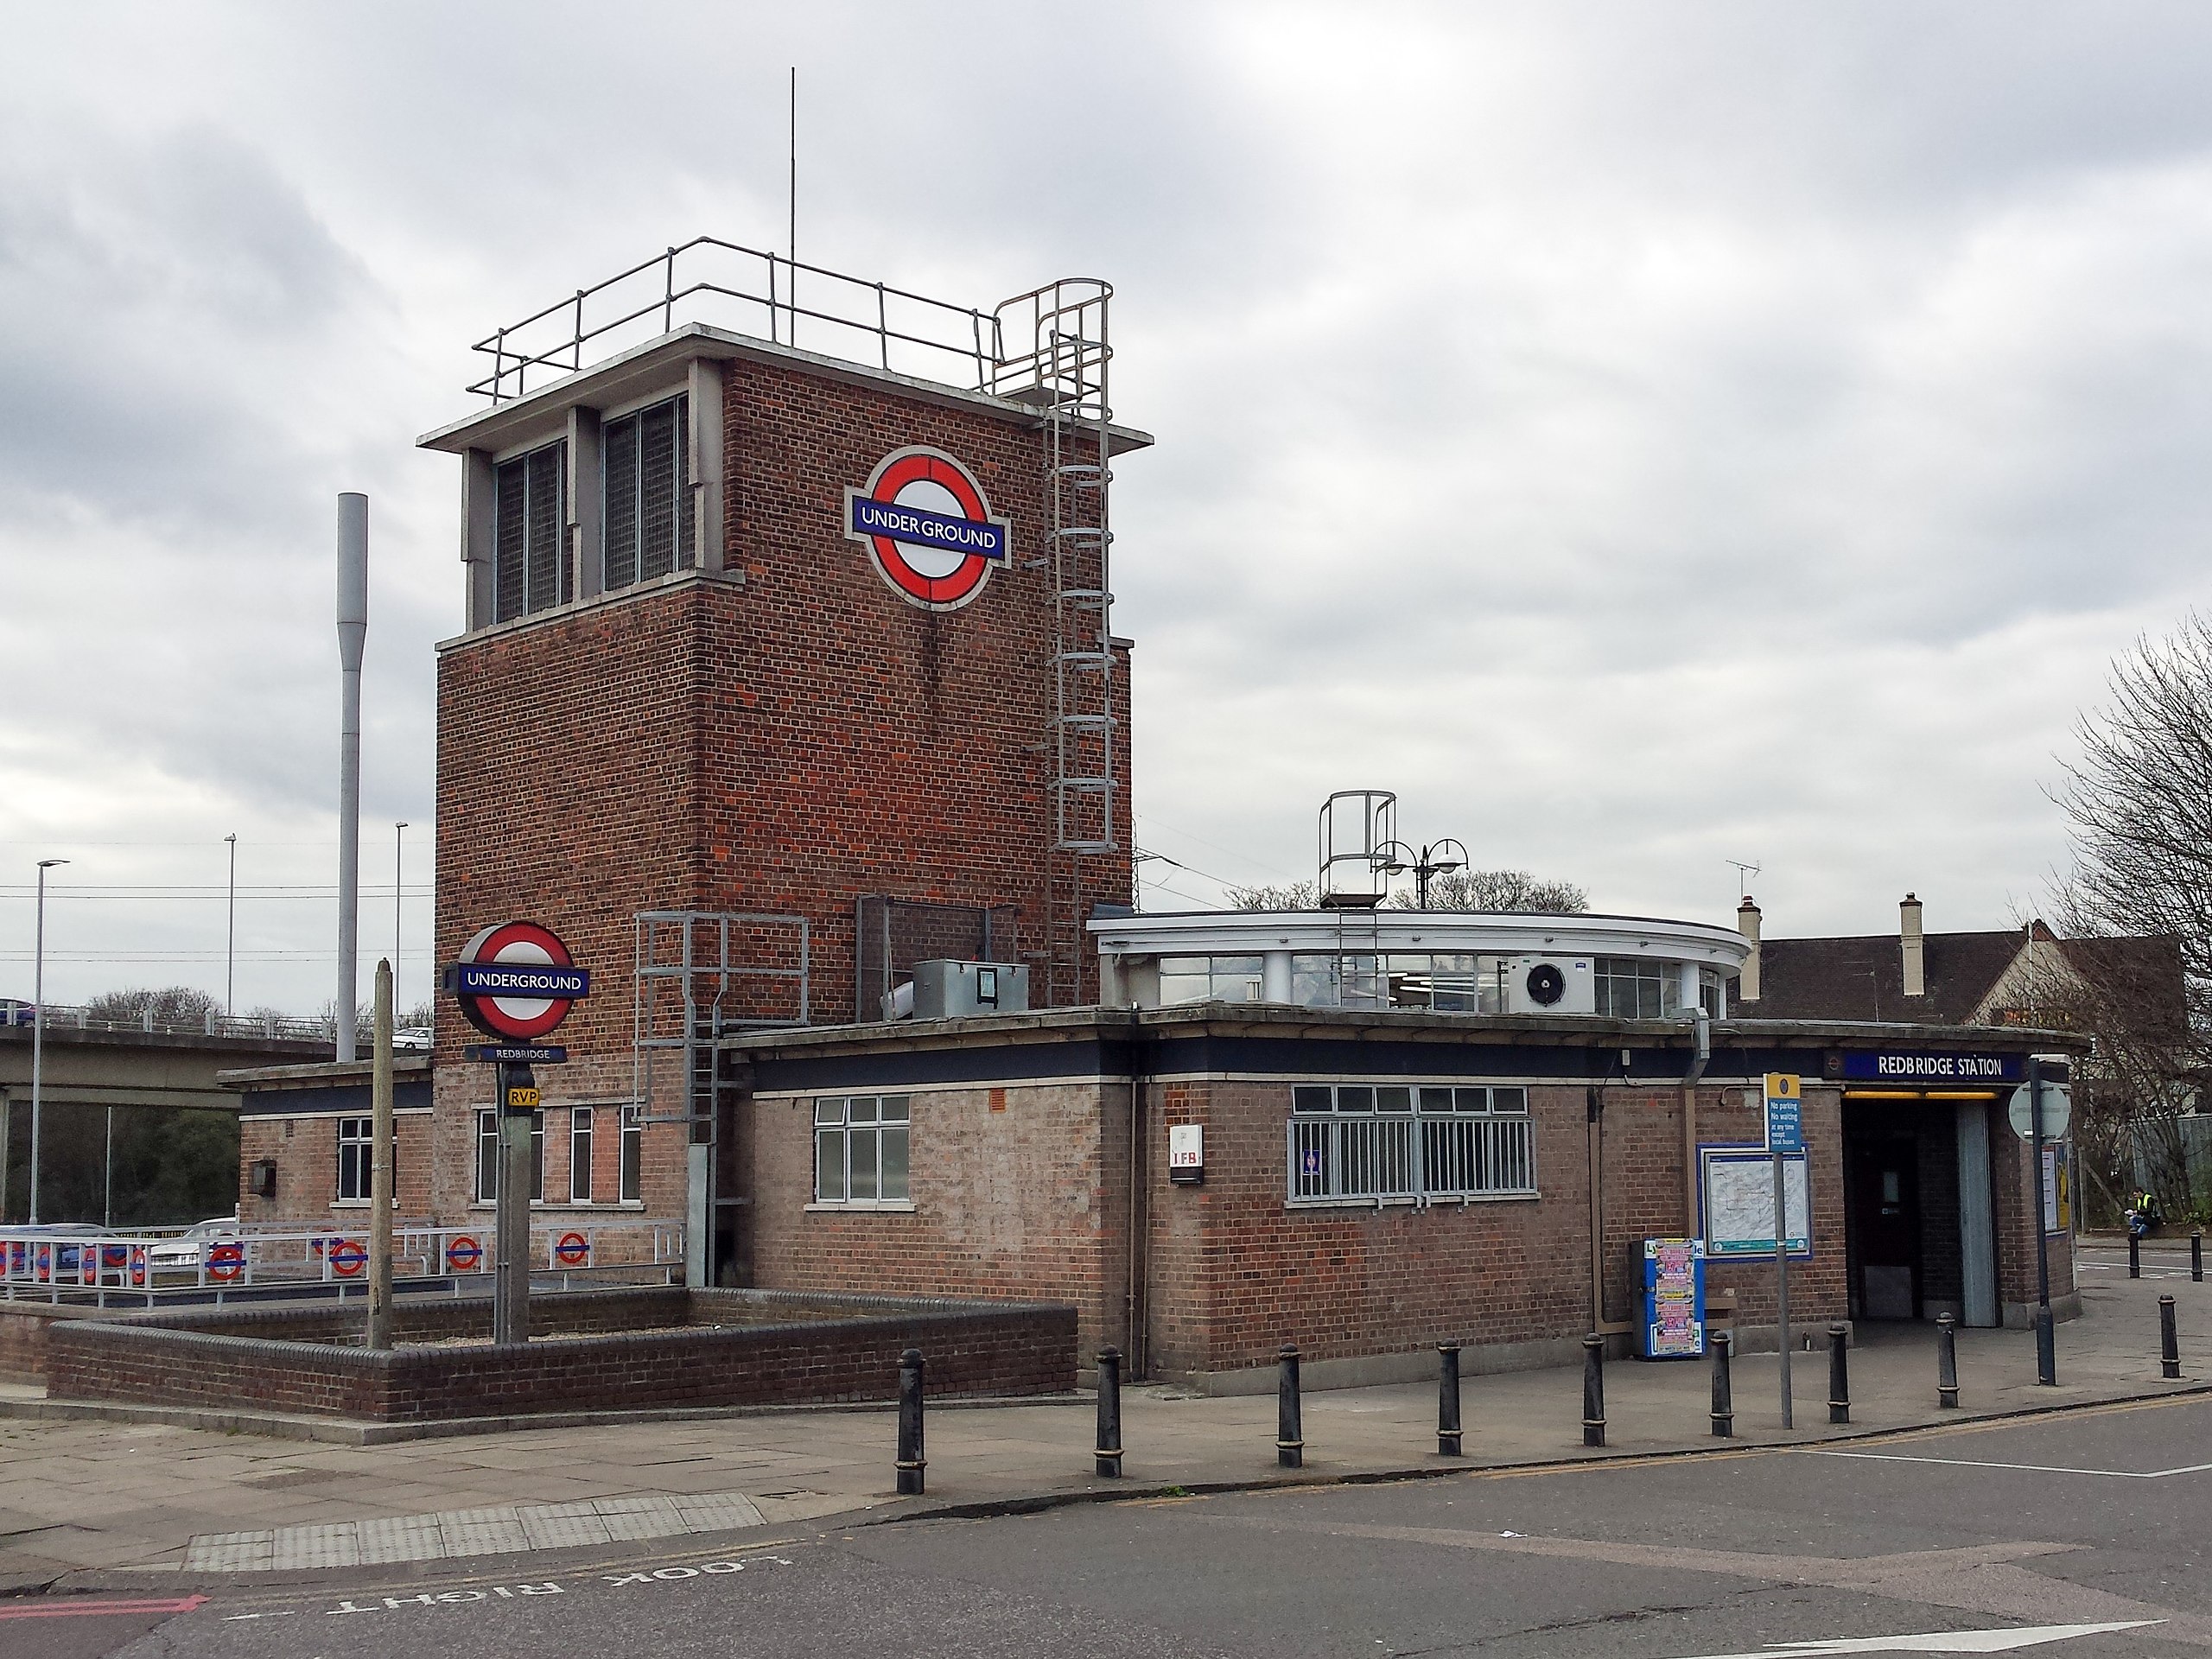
{"points": [[926, 523]]}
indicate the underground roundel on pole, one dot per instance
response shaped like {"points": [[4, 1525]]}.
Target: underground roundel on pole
{"points": [[928, 526], [516, 980]]}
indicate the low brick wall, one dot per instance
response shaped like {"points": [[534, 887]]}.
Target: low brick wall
{"points": [[736, 1347]]}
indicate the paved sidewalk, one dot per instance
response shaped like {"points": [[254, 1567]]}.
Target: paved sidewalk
{"points": [[104, 1495]]}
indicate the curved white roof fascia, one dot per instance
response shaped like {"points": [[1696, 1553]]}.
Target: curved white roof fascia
{"points": [[1251, 933]]}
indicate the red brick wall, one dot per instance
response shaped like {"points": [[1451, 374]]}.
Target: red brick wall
{"points": [[1236, 1271], [1029, 1200], [970, 1349], [2013, 1169], [782, 744], [305, 1151]]}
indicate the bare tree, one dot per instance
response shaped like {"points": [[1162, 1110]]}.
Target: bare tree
{"points": [[1497, 893], [171, 1006], [1294, 895], [2138, 906]]}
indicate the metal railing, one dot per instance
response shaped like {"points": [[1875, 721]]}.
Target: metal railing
{"points": [[763, 293], [150, 1265], [1410, 1158], [269, 1027]]}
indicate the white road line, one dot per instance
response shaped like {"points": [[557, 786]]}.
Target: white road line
{"points": [[2029, 1468]]}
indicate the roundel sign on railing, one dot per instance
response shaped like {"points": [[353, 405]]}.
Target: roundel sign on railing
{"points": [[516, 980]]}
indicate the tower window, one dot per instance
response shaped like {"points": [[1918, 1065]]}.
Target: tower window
{"points": [[528, 570], [647, 462]]}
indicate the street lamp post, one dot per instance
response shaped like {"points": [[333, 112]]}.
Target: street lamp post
{"points": [[230, 936], [38, 1027], [1435, 859], [399, 869]]}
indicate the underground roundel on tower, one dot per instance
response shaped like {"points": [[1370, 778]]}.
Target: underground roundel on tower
{"points": [[928, 526]]}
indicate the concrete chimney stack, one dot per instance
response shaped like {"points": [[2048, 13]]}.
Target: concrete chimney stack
{"points": [[1910, 942], [1747, 924]]}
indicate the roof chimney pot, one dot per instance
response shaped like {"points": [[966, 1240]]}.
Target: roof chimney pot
{"points": [[1912, 947], [1747, 924]]}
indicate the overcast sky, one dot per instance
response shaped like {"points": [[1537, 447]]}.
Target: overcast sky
{"points": [[1642, 436]]}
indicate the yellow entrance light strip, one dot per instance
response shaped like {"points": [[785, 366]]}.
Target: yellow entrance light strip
{"points": [[1919, 1094]]}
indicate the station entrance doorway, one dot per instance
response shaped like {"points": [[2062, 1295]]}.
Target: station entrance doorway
{"points": [[1920, 1234]]}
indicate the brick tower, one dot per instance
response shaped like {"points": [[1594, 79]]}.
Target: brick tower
{"points": [[786, 664]]}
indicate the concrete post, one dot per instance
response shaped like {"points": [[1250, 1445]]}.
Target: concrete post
{"points": [[380, 1168], [352, 635]]}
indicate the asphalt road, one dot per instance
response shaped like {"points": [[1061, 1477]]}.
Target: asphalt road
{"points": [[2021, 1531]]}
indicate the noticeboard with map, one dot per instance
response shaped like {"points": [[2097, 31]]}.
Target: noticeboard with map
{"points": [[1739, 1191]]}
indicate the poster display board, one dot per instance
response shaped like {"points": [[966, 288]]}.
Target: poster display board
{"points": [[2057, 1187], [1738, 1184], [1674, 1299]]}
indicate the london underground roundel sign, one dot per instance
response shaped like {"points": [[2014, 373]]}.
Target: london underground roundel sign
{"points": [[516, 980], [927, 525]]}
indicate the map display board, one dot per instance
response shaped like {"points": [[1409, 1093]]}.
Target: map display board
{"points": [[1739, 1191]]}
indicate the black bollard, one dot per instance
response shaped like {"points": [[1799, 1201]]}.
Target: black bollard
{"points": [[1947, 1363], [1290, 1443], [2169, 1339], [1593, 1389], [1724, 1395], [2134, 1257], [1447, 1400], [2197, 1255], [1838, 1374], [1110, 1412], [911, 1461], [2046, 1347]]}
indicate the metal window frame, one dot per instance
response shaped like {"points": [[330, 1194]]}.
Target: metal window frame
{"points": [[580, 1128], [487, 1131], [842, 1129], [362, 1147], [531, 603], [686, 528], [1356, 1141], [631, 1132]]}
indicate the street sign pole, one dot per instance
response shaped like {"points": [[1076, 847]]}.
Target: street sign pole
{"points": [[1782, 1288], [517, 1102], [2046, 1342], [1785, 1133]]}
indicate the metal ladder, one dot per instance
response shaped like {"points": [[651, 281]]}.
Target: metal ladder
{"points": [[1067, 379]]}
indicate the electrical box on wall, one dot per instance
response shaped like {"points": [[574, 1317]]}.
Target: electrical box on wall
{"points": [[1186, 1153], [948, 990]]}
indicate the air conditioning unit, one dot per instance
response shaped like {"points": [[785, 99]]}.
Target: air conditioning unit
{"points": [[1551, 985], [951, 990]]}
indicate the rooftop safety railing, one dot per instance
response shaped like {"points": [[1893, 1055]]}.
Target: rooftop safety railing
{"points": [[267, 1027], [785, 301]]}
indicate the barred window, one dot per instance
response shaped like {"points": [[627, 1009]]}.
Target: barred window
{"points": [[1376, 1143], [860, 1150], [1629, 987], [647, 466], [530, 566]]}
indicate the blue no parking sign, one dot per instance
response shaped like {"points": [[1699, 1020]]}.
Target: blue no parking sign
{"points": [[1785, 1117]]}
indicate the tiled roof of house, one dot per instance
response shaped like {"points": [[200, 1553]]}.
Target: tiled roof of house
{"points": [[1863, 978]]}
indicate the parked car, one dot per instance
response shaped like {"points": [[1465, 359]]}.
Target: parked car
{"points": [[67, 1238], [186, 1249]]}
